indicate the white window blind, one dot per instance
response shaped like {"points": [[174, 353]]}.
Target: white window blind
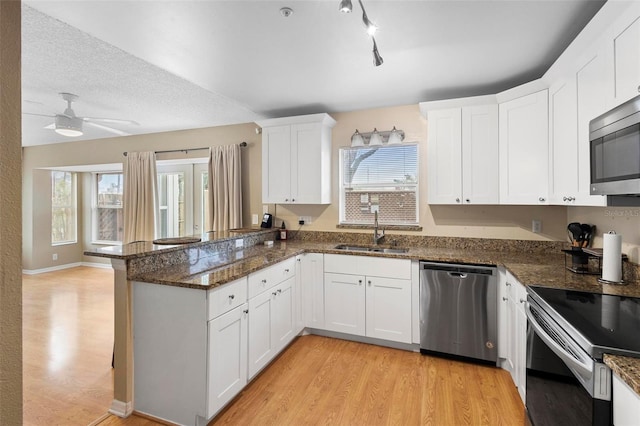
{"points": [[383, 179]]}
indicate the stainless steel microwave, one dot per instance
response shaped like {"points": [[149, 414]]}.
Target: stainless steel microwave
{"points": [[614, 139]]}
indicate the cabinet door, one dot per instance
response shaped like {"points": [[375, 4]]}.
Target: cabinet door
{"points": [[388, 304], [261, 341], [626, 51], [310, 166], [283, 323], [480, 155], [312, 284], [227, 360], [563, 143], [276, 164], [592, 85], [520, 337], [344, 308], [505, 318], [444, 156], [524, 150], [626, 403]]}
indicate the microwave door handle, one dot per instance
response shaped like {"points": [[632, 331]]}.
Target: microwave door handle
{"points": [[582, 368]]}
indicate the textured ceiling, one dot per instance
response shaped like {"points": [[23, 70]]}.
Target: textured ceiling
{"points": [[173, 65]]}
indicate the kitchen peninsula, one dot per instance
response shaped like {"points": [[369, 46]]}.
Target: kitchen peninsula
{"points": [[235, 260]]}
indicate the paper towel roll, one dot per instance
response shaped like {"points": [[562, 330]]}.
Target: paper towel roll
{"points": [[612, 257]]}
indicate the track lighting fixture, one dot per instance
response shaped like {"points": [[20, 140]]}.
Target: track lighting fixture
{"points": [[346, 7]]}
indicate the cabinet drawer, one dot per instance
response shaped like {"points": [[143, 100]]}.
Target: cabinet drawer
{"points": [[268, 277], [226, 297], [368, 265]]}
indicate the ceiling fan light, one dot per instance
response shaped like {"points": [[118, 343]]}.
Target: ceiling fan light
{"points": [[68, 126], [345, 6]]}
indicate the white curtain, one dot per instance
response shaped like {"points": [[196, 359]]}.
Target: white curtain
{"points": [[225, 188], [140, 196]]}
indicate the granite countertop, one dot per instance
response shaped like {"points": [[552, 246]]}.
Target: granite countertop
{"points": [[628, 369], [541, 269]]}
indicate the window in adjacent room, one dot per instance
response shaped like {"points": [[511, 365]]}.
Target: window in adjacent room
{"points": [[63, 208], [108, 215], [382, 179]]}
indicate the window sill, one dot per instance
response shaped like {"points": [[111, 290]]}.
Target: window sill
{"points": [[106, 243], [416, 228], [64, 243]]}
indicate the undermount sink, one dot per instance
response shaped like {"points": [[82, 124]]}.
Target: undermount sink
{"points": [[390, 250]]}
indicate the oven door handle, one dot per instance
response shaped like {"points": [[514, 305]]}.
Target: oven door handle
{"points": [[584, 369]]}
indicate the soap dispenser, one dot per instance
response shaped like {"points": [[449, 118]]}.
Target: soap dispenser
{"points": [[283, 232]]}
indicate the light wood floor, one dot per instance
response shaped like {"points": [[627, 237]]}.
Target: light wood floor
{"points": [[67, 328], [68, 338]]}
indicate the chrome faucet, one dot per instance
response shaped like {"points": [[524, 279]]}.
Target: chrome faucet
{"points": [[376, 236]]}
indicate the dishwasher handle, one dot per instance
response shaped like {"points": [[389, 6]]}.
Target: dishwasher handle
{"points": [[459, 275]]}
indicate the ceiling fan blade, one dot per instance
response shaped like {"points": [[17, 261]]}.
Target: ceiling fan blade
{"points": [[110, 120], [39, 115], [108, 129]]}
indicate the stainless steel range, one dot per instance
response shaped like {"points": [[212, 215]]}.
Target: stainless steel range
{"points": [[568, 333]]}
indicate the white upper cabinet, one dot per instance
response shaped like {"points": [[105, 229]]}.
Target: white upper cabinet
{"points": [[626, 55], [296, 159], [563, 143], [524, 149], [462, 153]]}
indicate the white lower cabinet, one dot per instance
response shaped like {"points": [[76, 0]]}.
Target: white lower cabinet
{"points": [[512, 320], [311, 276], [626, 403], [271, 324], [227, 373], [368, 296]]}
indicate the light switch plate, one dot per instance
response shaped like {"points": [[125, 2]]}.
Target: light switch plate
{"points": [[536, 226], [254, 219]]}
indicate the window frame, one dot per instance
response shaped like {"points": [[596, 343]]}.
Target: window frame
{"points": [[342, 198], [94, 208], [73, 207]]}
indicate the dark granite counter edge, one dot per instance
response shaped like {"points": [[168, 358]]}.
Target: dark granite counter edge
{"points": [[627, 368]]}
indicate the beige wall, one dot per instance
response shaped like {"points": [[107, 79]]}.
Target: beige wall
{"points": [[623, 220], [504, 222], [10, 207], [37, 253]]}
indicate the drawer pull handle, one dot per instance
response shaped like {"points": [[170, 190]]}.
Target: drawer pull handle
{"points": [[264, 281], [508, 284], [279, 291], [286, 271], [505, 298], [274, 293], [246, 311], [231, 297]]}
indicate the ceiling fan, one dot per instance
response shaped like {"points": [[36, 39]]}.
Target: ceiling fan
{"points": [[69, 124]]}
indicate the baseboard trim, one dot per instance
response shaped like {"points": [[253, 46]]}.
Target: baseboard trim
{"points": [[121, 409], [51, 269], [97, 265]]}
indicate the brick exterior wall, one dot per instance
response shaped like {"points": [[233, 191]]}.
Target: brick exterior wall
{"points": [[395, 207]]}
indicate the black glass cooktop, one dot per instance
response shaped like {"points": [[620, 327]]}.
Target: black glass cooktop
{"points": [[610, 323]]}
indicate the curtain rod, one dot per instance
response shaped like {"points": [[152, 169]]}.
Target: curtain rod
{"points": [[241, 144]]}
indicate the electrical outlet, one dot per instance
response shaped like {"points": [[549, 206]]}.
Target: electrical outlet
{"points": [[304, 220], [54, 256], [239, 243], [536, 226], [254, 219]]}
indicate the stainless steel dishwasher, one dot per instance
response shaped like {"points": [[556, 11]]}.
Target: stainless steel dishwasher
{"points": [[458, 310]]}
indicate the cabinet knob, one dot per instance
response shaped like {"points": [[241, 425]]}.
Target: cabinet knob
{"points": [[522, 300], [638, 89], [274, 293], [231, 297], [457, 200], [505, 298], [542, 199], [264, 281], [286, 271], [359, 282], [565, 199], [508, 284], [279, 291], [286, 199], [293, 199], [468, 200], [369, 283], [246, 311]]}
